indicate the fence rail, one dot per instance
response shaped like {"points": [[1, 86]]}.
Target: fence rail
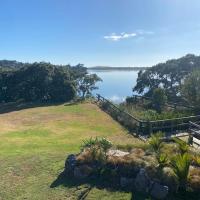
{"points": [[142, 127]]}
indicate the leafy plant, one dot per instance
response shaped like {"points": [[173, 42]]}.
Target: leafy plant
{"points": [[156, 142], [180, 165], [183, 146], [162, 160], [98, 147]]}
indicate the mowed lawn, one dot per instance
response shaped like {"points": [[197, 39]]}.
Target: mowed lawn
{"points": [[35, 142]]}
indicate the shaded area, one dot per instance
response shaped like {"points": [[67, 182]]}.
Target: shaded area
{"points": [[17, 106], [68, 181]]}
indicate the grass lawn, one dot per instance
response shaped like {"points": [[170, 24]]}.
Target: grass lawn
{"points": [[34, 143]]}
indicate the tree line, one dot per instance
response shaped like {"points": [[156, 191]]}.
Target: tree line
{"points": [[44, 82], [177, 80]]}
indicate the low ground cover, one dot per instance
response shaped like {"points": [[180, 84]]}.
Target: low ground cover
{"points": [[36, 141]]}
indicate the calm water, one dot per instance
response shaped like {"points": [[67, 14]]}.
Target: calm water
{"points": [[116, 85]]}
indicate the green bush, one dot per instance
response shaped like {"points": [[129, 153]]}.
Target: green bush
{"points": [[98, 148], [156, 142], [180, 164]]}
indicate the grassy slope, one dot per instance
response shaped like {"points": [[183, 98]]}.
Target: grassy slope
{"points": [[34, 144]]}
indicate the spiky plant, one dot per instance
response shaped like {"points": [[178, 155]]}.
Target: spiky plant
{"points": [[180, 164], [183, 146], [98, 147], [156, 142], [162, 160]]}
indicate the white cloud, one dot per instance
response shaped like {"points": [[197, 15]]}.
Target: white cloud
{"points": [[123, 35], [115, 37]]}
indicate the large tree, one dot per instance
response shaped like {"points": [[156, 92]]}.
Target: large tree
{"points": [[87, 84], [191, 89], [169, 76], [37, 82]]}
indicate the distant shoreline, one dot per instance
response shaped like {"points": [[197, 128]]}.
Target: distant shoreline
{"points": [[116, 68]]}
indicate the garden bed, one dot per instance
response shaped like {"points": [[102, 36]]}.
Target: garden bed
{"points": [[154, 171]]}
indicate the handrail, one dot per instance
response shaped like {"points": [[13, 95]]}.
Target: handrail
{"points": [[120, 109], [195, 125], [147, 126]]}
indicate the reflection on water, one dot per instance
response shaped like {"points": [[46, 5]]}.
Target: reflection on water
{"points": [[116, 85]]}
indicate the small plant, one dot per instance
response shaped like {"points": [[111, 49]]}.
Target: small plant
{"points": [[162, 160], [98, 147], [156, 142], [196, 160], [180, 165], [183, 146]]}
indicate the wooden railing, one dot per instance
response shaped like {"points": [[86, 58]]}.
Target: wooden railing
{"points": [[143, 127]]}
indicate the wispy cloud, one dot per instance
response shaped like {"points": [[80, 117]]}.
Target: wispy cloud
{"points": [[121, 36], [115, 37]]}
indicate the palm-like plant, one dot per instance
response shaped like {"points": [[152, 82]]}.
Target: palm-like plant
{"points": [[162, 160], [183, 146], [180, 165], [155, 141], [98, 147]]}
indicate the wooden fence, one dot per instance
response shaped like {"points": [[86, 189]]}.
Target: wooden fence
{"points": [[142, 127]]}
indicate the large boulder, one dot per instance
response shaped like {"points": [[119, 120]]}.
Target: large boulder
{"points": [[142, 182], [126, 182], [159, 191], [117, 153], [83, 171]]}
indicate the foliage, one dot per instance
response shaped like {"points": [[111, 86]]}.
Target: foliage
{"points": [[87, 83], [183, 146], [155, 141], [162, 159], [159, 99], [98, 147], [191, 89], [169, 75], [151, 115], [196, 160], [37, 82], [43, 82], [180, 165]]}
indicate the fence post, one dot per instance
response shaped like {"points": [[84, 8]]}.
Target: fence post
{"points": [[98, 97]]}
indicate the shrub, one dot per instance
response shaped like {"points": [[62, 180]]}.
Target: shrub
{"points": [[159, 99], [180, 165], [162, 160], [155, 141], [183, 146], [98, 148]]}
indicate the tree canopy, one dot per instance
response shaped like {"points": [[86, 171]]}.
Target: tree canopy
{"points": [[41, 82], [190, 90], [168, 75]]}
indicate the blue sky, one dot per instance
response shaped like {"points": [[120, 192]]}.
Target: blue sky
{"points": [[99, 32]]}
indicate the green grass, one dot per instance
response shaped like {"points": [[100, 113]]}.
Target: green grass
{"points": [[35, 142]]}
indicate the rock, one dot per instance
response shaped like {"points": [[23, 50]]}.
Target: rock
{"points": [[142, 182], [126, 182], [83, 171], [117, 153], [70, 162], [159, 191]]}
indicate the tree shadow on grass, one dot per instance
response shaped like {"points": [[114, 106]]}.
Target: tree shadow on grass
{"points": [[70, 182], [17, 106]]}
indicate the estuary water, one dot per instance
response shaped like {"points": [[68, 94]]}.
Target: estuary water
{"points": [[116, 85]]}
